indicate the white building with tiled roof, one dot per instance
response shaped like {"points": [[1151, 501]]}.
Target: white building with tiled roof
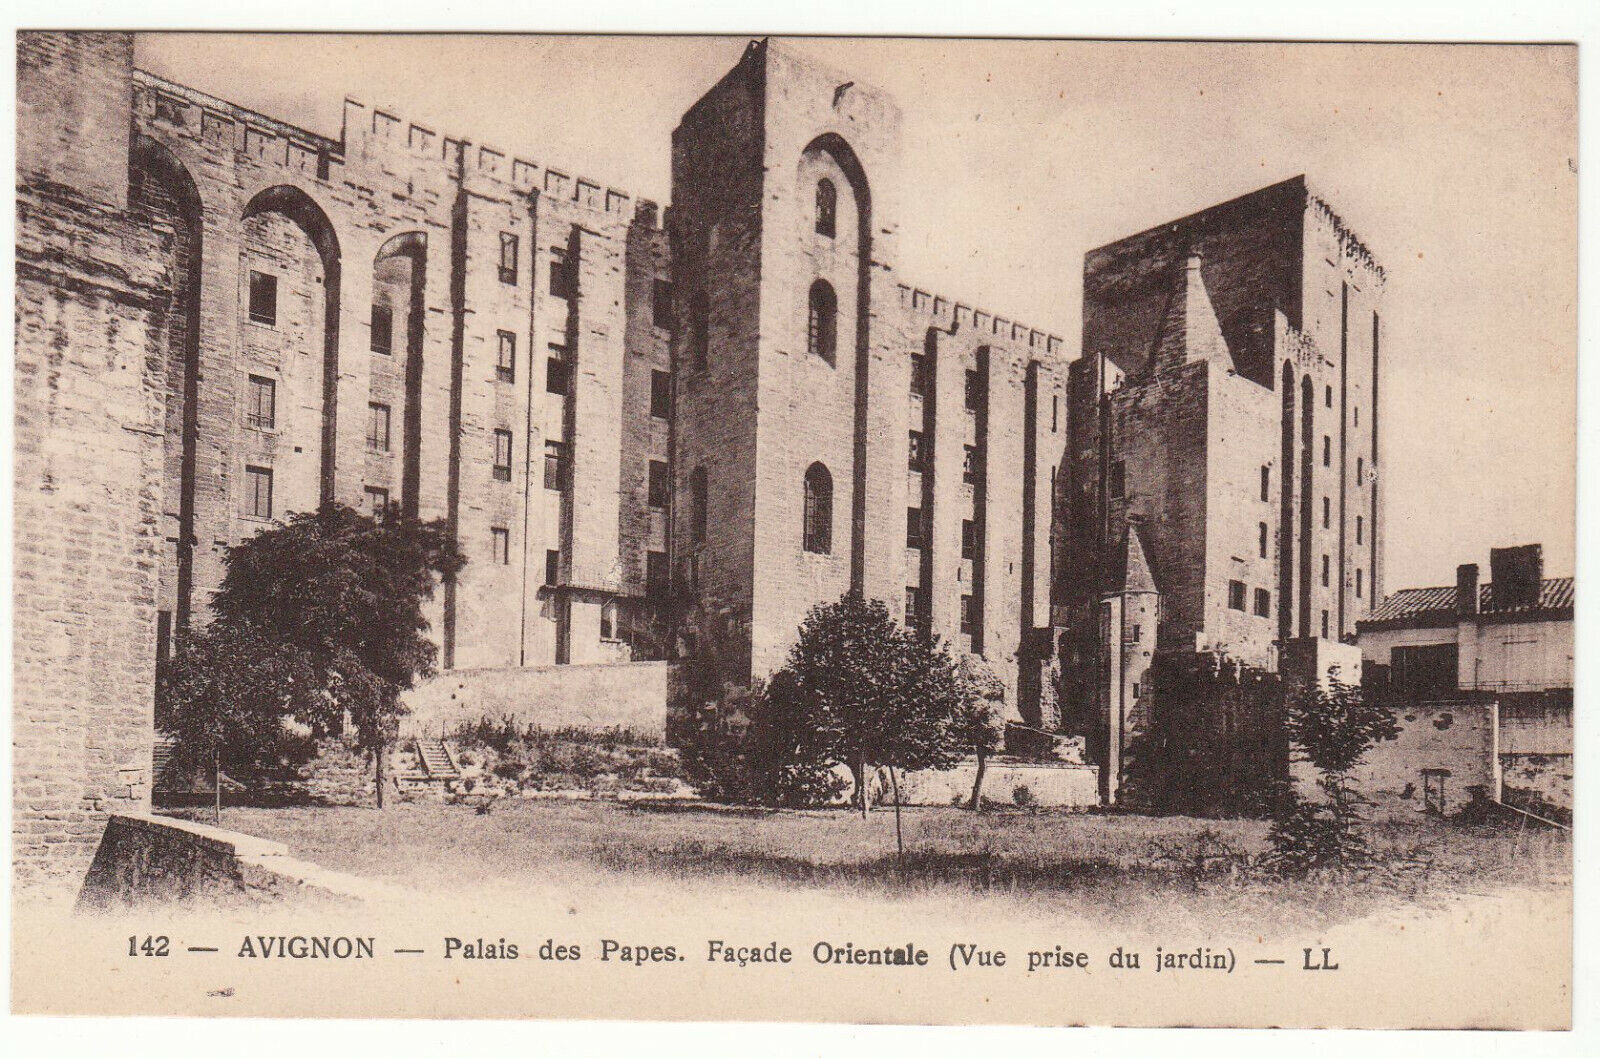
{"points": [[1500, 653]]}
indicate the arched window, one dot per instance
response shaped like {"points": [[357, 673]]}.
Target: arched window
{"points": [[822, 330], [697, 505], [819, 510], [827, 207], [699, 331]]}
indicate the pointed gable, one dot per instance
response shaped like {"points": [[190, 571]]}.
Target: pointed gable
{"points": [[1189, 328], [1136, 575]]}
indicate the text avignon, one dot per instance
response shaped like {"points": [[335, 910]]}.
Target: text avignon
{"points": [[259, 947]]}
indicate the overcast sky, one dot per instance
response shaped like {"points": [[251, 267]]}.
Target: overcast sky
{"points": [[1455, 164]]}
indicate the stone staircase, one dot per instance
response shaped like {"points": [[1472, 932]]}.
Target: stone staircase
{"points": [[438, 763]]}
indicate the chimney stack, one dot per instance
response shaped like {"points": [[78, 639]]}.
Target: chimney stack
{"points": [[1467, 589], [1516, 576]]}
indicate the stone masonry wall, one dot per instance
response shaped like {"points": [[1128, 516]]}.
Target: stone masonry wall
{"points": [[87, 460]]}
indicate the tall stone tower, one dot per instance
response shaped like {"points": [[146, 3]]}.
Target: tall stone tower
{"points": [[91, 306], [1128, 621], [1227, 398], [779, 177]]}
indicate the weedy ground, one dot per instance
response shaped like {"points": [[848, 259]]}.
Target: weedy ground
{"points": [[1111, 867]]}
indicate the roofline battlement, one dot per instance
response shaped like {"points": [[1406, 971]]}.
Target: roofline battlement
{"points": [[948, 311]]}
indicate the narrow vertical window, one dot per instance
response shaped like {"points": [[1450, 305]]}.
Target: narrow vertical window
{"points": [[552, 566], [1327, 451], [827, 207], [501, 538], [1236, 595], [1055, 411], [1360, 582], [1325, 571], [1263, 603], [699, 332], [263, 298], [257, 492], [660, 395], [655, 573], [914, 527], [508, 257], [561, 284], [377, 502], [1261, 538], [913, 606], [972, 394], [967, 614], [262, 411], [658, 485], [822, 329], [1327, 396], [557, 372], [1361, 471], [1266, 484], [382, 329], [914, 450], [971, 464], [661, 304], [1327, 512], [502, 455], [505, 360], [919, 371], [555, 465], [377, 427], [697, 505], [818, 527], [1324, 624], [1359, 525], [969, 538]]}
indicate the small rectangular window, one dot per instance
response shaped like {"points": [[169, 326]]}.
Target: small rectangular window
{"points": [[262, 412], [263, 298], [661, 304], [1324, 624], [505, 359], [257, 492], [914, 527], [1359, 526], [919, 374], [1266, 484], [968, 621], [660, 395], [1360, 583], [1236, 595], [555, 465], [1325, 571], [557, 374], [659, 484], [502, 455], [502, 545], [1263, 603], [382, 329], [377, 502], [655, 573], [508, 257], [552, 567], [1327, 512], [1327, 396], [971, 464], [1055, 411], [1261, 538], [560, 275], [1327, 451], [377, 427], [1135, 686], [913, 606], [914, 451], [973, 395], [1137, 632], [969, 538], [1361, 471], [1117, 486]]}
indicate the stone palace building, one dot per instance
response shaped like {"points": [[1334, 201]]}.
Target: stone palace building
{"points": [[224, 319]]}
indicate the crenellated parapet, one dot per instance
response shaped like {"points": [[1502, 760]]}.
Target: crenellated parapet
{"points": [[943, 312]]}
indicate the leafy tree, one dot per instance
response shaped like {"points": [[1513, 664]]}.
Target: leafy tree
{"points": [[334, 597], [979, 721], [746, 749], [227, 695], [1331, 728], [872, 693]]}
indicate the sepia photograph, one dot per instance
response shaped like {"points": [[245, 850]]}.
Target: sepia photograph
{"points": [[892, 530]]}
